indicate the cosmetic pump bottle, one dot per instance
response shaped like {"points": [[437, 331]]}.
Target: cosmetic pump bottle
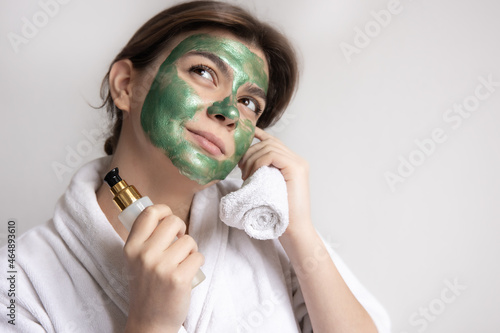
{"points": [[131, 204]]}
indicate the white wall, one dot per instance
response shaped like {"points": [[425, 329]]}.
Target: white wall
{"points": [[351, 119]]}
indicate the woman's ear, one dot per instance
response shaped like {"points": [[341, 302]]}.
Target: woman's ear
{"points": [[120, 86]]}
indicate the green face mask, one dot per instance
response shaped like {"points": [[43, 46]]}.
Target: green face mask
{"points": [[171, 102]]}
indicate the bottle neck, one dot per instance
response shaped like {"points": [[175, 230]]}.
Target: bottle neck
{"points": [[124, 194]]}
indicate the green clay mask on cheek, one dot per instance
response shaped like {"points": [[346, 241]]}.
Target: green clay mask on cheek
{"points": [[171, 103]]}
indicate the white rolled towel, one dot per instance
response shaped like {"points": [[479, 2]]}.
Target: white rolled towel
{"points": [[260, 206]]}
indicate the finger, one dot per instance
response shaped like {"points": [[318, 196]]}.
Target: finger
{"points": [[165, 233], [250, 151], [253, 155], [180, 250], [190, 266], [264, 147], [184, 273], [265, 158], [146, 223], [261, 134], [278, 146]]}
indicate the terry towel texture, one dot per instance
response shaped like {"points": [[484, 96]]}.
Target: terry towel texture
{"points": [[260, 207]]}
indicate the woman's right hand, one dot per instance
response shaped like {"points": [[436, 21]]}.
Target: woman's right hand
{"points": [[159, 271]]}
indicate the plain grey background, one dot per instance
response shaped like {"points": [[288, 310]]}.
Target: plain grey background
{"points": [[375, 89]]}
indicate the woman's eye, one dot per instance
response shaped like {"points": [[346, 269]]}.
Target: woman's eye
{"points": [[204, 72], [251, 104]]}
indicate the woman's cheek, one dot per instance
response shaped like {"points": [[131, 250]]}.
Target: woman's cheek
{"points": [[243, 137]]}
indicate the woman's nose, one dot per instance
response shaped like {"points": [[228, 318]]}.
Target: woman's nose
{"points": [[225, 112]]}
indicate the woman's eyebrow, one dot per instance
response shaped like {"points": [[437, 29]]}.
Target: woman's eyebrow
{"points": [[256, 91], [215, 59]]}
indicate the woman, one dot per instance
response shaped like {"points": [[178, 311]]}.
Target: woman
{"points": [[189, 92]]}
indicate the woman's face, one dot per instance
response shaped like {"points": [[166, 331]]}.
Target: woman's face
{"points": [[204, 103]]}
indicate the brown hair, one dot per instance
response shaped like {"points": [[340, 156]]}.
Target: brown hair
{"points": [[153, 37]]}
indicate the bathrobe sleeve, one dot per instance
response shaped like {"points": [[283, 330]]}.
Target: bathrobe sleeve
{"points": [[22, 310], [367, 300], [24, 321]]}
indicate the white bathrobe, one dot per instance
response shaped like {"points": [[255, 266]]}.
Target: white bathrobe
{"points": [[71, 274]]}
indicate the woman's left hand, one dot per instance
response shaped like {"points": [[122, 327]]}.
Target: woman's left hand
{"points": [[271, 151]]}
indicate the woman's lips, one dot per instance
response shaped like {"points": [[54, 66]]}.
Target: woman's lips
{"points": [[209, 142]]}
